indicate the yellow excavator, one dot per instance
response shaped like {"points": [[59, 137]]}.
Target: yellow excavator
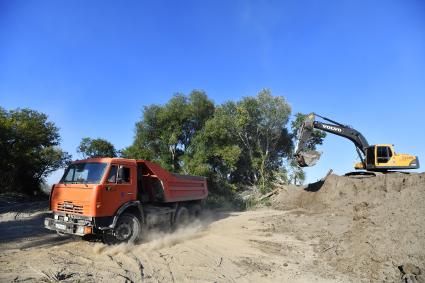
{"points": [[376, 158]]}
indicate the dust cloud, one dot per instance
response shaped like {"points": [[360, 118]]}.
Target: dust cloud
{"points": [[158, 238]]}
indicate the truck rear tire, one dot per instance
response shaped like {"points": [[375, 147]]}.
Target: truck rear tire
{"points": [[127, 230], [182, 217], [195, 211]]}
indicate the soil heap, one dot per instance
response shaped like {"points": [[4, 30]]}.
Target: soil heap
{"points": [[371, 225]]}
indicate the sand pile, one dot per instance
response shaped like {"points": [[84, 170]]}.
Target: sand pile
{"points": [[375, 224]]}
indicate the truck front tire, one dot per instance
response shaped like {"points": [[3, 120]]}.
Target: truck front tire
{"points": [[127, 230]]}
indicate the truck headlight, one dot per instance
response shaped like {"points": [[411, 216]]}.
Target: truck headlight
{"points": [[46, 222], [56, 216]]}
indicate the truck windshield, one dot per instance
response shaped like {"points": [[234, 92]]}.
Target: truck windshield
{"points": [[84, 173]]}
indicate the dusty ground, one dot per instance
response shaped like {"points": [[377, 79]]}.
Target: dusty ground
{"points": [[342, 230]]}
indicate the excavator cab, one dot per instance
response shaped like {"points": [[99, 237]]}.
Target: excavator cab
{"points": [[382, 157], [383, 154]]}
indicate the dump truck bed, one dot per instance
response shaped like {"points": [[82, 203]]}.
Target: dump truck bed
{"points": [[172, 187]]}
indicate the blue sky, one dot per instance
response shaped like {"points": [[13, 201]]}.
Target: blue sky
{"points": [[92, 65]]}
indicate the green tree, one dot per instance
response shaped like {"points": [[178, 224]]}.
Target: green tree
{"points": [[214, 151], [90, 148], [244, 142], [29, 150], [261, 127], [165, 132], [295, 172]]}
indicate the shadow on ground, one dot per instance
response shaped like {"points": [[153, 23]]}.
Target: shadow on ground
{"points": [[14, 230], [314, 187]]}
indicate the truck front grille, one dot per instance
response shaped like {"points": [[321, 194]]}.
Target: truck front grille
{"points": [[69, 207]]}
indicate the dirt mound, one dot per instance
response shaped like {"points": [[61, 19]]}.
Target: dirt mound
{"points": [[371, 225]]}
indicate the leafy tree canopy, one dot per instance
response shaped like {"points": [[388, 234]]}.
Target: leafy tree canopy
{"points": [[29, 150], [246, 141], [165, 132], [235, 143], [96, 148]]}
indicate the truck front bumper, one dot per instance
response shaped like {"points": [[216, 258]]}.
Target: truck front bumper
{"points": [[69, 225]]}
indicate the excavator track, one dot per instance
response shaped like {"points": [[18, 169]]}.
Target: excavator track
{"points": [[373, 173], [363, 174]]}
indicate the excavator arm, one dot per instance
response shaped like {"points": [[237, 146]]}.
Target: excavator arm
{"points": [[307, 157]]}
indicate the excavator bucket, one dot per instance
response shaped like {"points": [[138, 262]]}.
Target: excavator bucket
{"points": [[307, 158]]}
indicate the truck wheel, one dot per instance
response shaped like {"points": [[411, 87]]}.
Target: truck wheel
{"points": [[195, 211], [126, 230], [182, 217]]}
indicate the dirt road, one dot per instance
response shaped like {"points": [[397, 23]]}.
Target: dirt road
{"points": [[345, 230], [227, 247]]}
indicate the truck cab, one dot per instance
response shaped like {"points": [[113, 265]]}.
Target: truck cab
{"points": [[116, 198]]}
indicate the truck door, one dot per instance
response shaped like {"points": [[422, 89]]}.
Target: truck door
{"points": [[119, 188]]}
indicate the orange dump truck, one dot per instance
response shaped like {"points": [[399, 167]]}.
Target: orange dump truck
{"points": [[117, 198]]}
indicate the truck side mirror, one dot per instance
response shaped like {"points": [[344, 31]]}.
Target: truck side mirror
{"points": [[120, 175]]}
